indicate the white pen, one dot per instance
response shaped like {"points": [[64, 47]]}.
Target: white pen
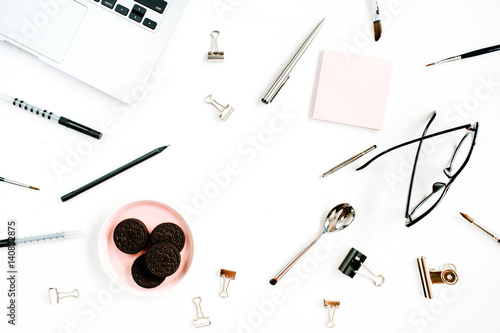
{"points": [[51, 116]]}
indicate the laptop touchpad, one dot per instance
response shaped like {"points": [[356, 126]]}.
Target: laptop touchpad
{"points": [[44, 26]]}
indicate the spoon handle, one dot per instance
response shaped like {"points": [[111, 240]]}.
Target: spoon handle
{"points": [[285, 270]]}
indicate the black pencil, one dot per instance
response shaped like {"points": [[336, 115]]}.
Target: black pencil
{"points": [[468, 55], [113, 173]]}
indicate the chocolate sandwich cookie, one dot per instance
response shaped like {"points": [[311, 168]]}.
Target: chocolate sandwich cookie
{"points": [[131, 236], [142, 276], [169, 233], [163, 259]]}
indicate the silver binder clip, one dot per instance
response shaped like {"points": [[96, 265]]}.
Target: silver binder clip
{"points": [[55, 295], [446, 273], [353, 262], [224, 111], [201, 320], [226, 276], [331, 306], [215, 54]]}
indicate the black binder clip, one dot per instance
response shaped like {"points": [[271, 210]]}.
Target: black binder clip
{"points": [[353, 262], [446, 273]]}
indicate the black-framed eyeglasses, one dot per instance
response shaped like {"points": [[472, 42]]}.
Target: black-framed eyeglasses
{"points": [[459, 159]]}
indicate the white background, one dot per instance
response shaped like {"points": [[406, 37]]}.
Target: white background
{"points": [[275, 205]]}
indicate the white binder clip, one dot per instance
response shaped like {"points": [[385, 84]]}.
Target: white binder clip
{"points": [[224, 111], [55, 295], [201, 320], [215, 55]]}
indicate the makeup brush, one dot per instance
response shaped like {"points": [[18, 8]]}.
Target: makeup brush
{"points": [[377, 26], [486, 230], [18, 184], [468, 55]]}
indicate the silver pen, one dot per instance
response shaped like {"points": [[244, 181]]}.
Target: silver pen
{"points": [[349, 161], [285, 74]]}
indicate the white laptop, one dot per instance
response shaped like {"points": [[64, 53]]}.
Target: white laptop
{"points": [[113, 45]]}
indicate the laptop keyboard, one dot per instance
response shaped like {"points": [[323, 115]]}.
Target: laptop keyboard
{"points": [[147, 13], [156, 5]]}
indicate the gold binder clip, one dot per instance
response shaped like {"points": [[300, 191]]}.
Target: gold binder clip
{"points": [[215, 55], [446, 273], [224, 111], [331, 306], [201, 320], [55, 295], [226, 276]]}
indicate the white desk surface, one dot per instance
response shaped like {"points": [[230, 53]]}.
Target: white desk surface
{"points": [[274, 205]]}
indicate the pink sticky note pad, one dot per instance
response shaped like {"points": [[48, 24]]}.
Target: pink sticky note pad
{"points": [[352, 89]]}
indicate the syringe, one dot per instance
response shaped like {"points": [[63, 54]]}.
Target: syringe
{"points": [[37, 239]]}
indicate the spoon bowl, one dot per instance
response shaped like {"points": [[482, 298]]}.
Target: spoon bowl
{"points": [[340, 217]]}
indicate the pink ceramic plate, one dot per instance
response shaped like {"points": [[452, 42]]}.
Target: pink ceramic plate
{"points": [[118, 265]]}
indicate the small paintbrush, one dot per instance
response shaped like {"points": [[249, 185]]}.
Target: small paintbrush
{"points": [[468, 55], [18, 184], [377, 25], [486, 230]]}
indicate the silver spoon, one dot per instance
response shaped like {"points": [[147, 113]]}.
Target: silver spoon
{"points": [[340, 217]]}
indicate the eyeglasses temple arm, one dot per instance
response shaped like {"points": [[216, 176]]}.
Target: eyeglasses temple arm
{"points": [[407, 211], [413, 141]]}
